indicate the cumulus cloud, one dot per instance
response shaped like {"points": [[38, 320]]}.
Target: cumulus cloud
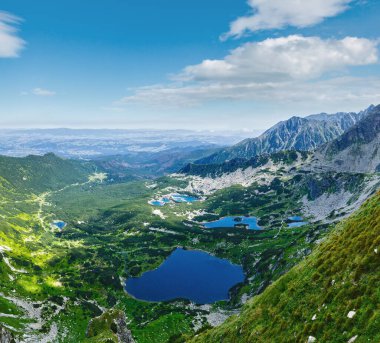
{"points": [[10, 43], [43, 92], [284, 69], [292, 57], [277, 14]]}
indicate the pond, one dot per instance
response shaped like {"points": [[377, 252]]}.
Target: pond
{"points": [[183, 198], [231, 222], [297, 221], [176, 198], [59, 224], [187, 274], [157, 203], [297, 224]]}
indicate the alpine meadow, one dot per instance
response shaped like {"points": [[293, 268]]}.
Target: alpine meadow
{"points": [[192, 172]]}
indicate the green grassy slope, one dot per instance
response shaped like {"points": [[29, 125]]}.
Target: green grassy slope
{"points": [[315, 298], [43, 173], [72, 276]]}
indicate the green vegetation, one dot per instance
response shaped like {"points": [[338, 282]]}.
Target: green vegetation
{"points": [[333, 295], [42, 173], [285, 157], [73, 279]]}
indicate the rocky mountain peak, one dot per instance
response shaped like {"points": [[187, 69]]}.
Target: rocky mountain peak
{"points": [[296, 133]]}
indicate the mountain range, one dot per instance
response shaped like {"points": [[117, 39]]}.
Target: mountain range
{"points": [[358, 149], [296, 133], [72, 231]]}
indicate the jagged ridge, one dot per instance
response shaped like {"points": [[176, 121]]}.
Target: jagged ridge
{"points": [[297, 133], [358, 149]]}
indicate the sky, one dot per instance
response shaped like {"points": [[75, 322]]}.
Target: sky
{"points": [[200, 64]]}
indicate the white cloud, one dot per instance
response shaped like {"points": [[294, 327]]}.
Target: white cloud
{"points": [[43, 92], [339, 91], [10, 43], [292, 57], [277, 14], [282, 69]]}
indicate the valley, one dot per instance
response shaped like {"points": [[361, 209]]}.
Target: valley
{"points": [[73, 235]]}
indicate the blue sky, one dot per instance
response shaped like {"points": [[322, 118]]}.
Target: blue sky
{"points": [[227, 64]]}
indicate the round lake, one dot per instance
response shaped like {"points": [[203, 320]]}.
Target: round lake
{"points": [[187, 274]]}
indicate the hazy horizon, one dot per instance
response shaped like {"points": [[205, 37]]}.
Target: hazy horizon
{"points": [[178, 65]]}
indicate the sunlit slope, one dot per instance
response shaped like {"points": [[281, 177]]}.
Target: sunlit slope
{"points": [[43, 173], [333, 296], [29, 250]]}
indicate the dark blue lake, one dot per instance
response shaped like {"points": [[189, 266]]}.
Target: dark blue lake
{"points": [[231, 222], [187, 274]]}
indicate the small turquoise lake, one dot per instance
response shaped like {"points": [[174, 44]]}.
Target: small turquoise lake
{"points": [[187, 274], [231, 222], [173, 198], [297, 224], [183, 198], [59, 224]]}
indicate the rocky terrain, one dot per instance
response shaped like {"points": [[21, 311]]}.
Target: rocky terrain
{"points": [[66, 283], [296, 133], [358, 149]]}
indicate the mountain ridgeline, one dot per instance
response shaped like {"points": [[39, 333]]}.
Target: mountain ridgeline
{"points": [[72, 232], [358, 149], [214, 170], [303, 134]]}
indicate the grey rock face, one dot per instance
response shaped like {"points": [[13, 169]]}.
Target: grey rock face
{"points": [[358, 149], [302, 134], [112, 321], [123, 334], [6, 336]]}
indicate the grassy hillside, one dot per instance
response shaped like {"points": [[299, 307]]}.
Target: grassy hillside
{"points": [[317, 298], [68, 284], [74, 274], [43, 173]]}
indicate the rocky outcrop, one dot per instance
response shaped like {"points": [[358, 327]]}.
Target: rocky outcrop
{"points": [[264, 160], [6, 336], [123, 334], [111, 324], [303, 134], [357, 150]]}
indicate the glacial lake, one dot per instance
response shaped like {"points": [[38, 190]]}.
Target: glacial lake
{"points": [[160, 202], [184, 198], [176, 198], [231, 222], [187, 274], [297, 221], [59, 224], [297, 224]]}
